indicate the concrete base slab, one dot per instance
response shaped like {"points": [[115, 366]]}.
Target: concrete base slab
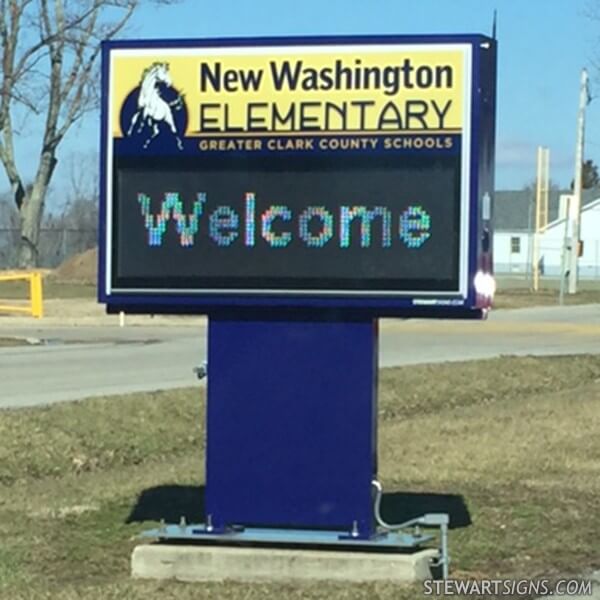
{"points": [[217, 563]]}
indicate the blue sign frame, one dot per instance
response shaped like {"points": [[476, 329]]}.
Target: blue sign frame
{"points": [[472, 303]]}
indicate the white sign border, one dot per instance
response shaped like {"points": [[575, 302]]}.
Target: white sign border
{"points": [[315, 48]]}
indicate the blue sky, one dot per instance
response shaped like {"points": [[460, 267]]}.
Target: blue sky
{"points": [[543, 44]]}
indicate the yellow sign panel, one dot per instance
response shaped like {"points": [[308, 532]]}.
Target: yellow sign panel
{"points": [[281, 91]]}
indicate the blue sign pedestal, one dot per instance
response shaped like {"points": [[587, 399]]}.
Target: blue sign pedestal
{"points": [[291, 423]]}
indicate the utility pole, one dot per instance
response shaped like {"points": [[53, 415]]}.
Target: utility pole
{"points": [[565, 208], [575, 213]]}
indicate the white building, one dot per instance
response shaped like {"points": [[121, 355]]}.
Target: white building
{"points": [[513, 234]]}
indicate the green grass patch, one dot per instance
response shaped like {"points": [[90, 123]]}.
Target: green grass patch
{"points": [[515, 438]]}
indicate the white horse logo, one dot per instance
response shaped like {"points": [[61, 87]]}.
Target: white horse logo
{"points": [[152, 108]]}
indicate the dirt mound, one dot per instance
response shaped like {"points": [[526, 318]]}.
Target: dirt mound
{"points": [[82, 268]]}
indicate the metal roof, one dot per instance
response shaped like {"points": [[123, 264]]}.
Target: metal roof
{"points": [[514, 209]]}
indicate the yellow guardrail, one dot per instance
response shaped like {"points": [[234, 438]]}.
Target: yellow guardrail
{"points": [[36, 301]]}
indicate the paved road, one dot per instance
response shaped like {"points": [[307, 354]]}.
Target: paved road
{"points": [[78, 362]]}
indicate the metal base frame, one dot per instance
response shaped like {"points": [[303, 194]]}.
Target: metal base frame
{"points": [[382, 540]]}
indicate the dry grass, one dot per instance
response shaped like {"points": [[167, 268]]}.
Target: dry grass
{"points": [[523, 298], [512, 292], [515, 440], [517, 293], [6, 342], [18, 290]]}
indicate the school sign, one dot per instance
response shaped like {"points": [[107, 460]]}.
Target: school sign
{"points": [[337, 172]]}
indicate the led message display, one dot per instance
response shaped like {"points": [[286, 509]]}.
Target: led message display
{"points": [[380, 224]]}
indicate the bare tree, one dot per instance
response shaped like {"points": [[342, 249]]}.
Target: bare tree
{"points": [[84, 177], [589, 176], [49, 70], [8, 216], [591, 11], [531, 186], [80, 213], [9, 219]]}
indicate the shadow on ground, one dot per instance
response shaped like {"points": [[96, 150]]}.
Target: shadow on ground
{"points": [[397, 507], [171, 502]]}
